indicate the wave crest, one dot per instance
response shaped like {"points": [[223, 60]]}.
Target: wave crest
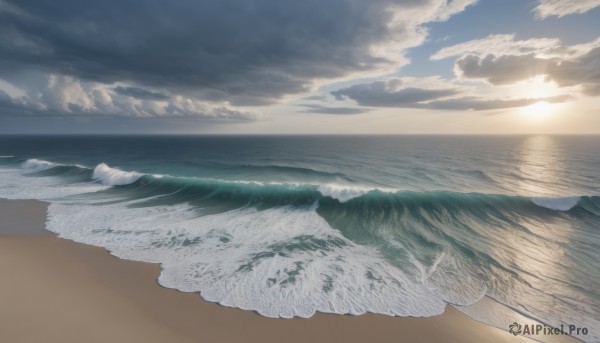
{"points": [[34, 165], [557, 204], [255, 191], [114, 177], [343, 193]]}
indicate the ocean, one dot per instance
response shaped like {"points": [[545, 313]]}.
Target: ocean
{"points": [[504, 228]]}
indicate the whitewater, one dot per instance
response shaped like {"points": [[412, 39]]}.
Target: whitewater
{"points": [[390, 226]]}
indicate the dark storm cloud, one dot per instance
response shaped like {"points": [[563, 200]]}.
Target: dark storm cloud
{"points": [[335, 110], [244, 52], [140, 93], [104, 124], [384, 94], [4, 97], [21, 107], [315, 98], [10, 107], [499, 70]]}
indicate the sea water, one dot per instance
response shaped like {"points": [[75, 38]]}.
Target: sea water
{"points": [[504, 228]]}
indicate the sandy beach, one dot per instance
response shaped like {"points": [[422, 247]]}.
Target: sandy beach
{"points": [[54, 290]]}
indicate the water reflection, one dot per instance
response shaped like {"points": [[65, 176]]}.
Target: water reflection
{"points": [[541, 166], [535, 274]]}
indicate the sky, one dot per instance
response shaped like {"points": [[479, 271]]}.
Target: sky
{"points": [[300, 67]]}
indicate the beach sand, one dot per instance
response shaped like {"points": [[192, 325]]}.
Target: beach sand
{"points": [[55, 290]]}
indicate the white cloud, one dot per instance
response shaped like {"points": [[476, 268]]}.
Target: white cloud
{"points": [[428, 11], [503, 69], [500, 59], [501, 44], [578, 50], [560, 8], [451, 7]]}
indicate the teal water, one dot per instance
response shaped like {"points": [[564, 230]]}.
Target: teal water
{"points": [[287, 226]]}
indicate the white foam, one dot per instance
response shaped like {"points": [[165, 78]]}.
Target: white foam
{"points": [[6, 156], [114, 177], [34, 165], [218, 245], [557, 204], [343, 193]]}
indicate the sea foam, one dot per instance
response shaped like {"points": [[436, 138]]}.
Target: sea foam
{"points": [[280, 262], [344, 193], [114, 177]]}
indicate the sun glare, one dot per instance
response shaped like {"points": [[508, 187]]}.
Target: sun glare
{"points": [[539, 110]]}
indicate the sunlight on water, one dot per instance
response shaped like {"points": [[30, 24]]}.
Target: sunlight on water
{"points": [[541, 166]]}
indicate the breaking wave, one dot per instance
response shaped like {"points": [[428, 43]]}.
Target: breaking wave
{"points": [[278, 193], [114, 177], [289, 249]]}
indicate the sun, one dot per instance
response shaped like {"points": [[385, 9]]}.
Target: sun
{"points": [[539, 110]]}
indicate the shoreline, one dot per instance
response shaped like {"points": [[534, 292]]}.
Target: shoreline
{"points": [[56, 290]]}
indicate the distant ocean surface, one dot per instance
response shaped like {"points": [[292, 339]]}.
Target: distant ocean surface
{"points": [[501, 227]]}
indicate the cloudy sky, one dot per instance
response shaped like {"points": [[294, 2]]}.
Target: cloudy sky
{"points": [[311, 66]]}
